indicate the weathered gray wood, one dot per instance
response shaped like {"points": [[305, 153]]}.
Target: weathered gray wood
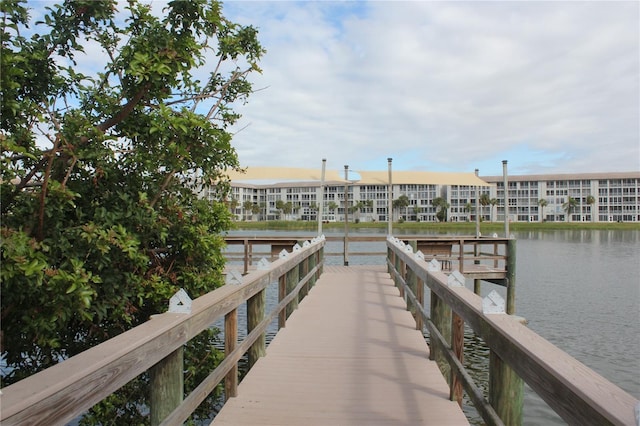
{"points": [[195, 398], [457, 345], [230, 342], [506, 390], [441, 318], [64, 391], [167, 386], [511, 277], [419, 303], [255, 315], [362, 365], [578, 394]]}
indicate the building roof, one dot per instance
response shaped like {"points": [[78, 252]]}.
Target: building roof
{"points": [[565, 176], [280, 175]]}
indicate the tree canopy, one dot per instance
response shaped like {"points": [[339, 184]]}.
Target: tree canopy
{"points": [[102, 165]]}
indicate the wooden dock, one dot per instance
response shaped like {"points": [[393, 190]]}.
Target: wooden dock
{"points": [[350, 355]]}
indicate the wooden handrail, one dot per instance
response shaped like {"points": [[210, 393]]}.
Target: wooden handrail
{"points": [[59, 394], [578, 394]]}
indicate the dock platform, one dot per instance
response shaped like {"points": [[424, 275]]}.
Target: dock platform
{"points": [[349, 355]]}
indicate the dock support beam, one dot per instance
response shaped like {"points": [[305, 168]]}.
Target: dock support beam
{"points": [[255, 315], [506, 390], [230, 342], [511, 277], [167, 386]]}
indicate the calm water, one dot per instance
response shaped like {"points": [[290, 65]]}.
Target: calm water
{"points": [[578, 289]]}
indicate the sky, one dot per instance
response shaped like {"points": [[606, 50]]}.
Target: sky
{"points": [[451, 86], [551, 87]]}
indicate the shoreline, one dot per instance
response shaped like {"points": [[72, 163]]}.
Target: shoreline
{"points": [[469, 227]]}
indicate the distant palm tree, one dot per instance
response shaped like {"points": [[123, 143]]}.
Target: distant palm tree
{"points": [[485, 200], [468, 208], [493, 202], [233, 205], [280, 205], [591, 201], [246, 208], [542, 203], [369, 204], [332, 207], [255, 209], [569, 206], [401, 203], [441, 205]]}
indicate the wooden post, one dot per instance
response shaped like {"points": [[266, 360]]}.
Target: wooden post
{"points": [[255, 314], [282, 293], [441, 318], [420, 297], [292, 281], [303, 271], [246, 256], [505, 391], [511, 277], [167, 386], [476, 282], [230, 341], [457, 345], [410, 279]]}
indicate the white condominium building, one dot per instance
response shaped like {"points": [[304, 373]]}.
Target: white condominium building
{"points": [[274, 193]]}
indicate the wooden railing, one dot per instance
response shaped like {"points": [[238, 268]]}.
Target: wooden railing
{"points": [[65, 391], [578, 394]]}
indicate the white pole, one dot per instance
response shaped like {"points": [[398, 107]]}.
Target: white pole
{"points": [[505, 182], [477, 208], [346, 215], [321, 202], [390, 201]]}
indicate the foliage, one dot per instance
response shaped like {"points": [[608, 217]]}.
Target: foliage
{"points": [[441, 205], [101, 222], [569, 206], [402, 202]]}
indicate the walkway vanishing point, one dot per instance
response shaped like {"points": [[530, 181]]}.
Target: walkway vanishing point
{"points": [[349, 355]]}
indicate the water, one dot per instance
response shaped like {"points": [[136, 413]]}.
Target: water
{"points": [[578, 289]]}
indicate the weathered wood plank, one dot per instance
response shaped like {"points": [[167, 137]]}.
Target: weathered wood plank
{"points": [[578, 394], [62, 392], [349, 355]]}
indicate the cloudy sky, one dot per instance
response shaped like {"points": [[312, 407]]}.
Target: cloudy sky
{"points": [[444, 86]]}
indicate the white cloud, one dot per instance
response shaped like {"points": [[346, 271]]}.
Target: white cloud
{"points": [[444, 85]]}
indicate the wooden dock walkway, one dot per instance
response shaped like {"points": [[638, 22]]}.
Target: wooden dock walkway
{"points": [[349, 355]]}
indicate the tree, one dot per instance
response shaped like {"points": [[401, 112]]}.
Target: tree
{"points": [[485, 200], [402, 202], [494, 203], [591, 201], [280, 206], [569, 206], [255, 209], [247, 206], [468, 207], [101, 223], [233, 205], [332, 206], [441, 205], [542, 203]]}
